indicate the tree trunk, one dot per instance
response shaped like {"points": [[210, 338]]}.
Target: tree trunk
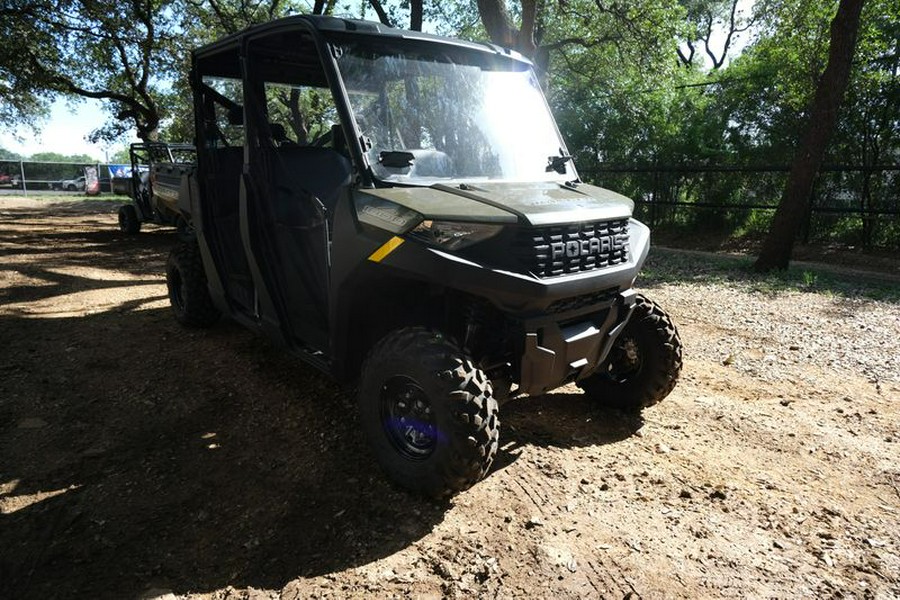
{"points": [[415, 15], [779, 243], [500, 28], [323, 7]]}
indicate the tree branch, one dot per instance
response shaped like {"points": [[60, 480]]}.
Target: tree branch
{"points": [[382, 14], [689, 59], [574, 41]]}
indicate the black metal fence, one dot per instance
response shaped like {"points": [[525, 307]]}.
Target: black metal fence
{"points": [[854, 205]]}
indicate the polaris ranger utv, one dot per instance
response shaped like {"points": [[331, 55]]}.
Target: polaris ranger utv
{"points": [[400, 210], [156, 173]]}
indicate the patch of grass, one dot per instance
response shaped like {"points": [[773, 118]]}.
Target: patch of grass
{"points": [[755, 225], [666, 266]]}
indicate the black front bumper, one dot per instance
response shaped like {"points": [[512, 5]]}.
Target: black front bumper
{"points": [[556, 352], [562, 328]]}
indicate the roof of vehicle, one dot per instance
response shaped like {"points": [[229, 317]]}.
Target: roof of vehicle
{"points": [[347, 27]]}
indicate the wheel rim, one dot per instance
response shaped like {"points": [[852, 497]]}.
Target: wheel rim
{"points": [[626, 361], [408, 418]]}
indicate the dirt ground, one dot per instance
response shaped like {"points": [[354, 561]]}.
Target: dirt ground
{"points": [[139, 459]]}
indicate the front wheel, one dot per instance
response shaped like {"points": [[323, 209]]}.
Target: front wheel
{"points": [[128, 219], [188, 291], [643, 365], [428, 412]]}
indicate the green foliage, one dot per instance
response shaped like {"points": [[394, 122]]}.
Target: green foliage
{"points": [[120, 156], [18, 101], [621, 97], [9, 154], [770, 85], [755, 224], [201, 23], [57, 157], [119, 52], [618, 107]]}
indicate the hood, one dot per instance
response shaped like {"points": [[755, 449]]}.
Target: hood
{"points": [[540, 203]]}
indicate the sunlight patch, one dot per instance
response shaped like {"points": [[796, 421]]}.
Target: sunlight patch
{"points": [[10, 504], [95, 273], [12, 279], [91, 302], [9, 487]]}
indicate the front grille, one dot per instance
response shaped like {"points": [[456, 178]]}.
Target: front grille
{"points": [[583, 301], [574, 248]]}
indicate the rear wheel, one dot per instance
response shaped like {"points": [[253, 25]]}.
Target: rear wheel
{"points": [[428, 412], [185, 230], [128, 219], [188, 291], [643, 366]]}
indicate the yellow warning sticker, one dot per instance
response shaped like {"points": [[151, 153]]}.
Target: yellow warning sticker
{"points": [[386, 248]]}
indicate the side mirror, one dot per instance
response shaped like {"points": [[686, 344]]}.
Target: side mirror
{"points": [[396, 159]]}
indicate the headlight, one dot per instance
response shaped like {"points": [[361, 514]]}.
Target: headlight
{"points": [[453, 235]]}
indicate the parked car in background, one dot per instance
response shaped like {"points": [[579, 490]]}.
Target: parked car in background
{"points": [[71, 185], [14, 181]]}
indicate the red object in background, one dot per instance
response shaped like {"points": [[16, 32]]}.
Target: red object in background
{"points": [[91, 181]]}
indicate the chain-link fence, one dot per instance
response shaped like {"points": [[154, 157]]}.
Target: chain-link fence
{"points": [[34, 177]]}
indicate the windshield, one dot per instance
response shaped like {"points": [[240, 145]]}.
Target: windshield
{"points": [[430, 118]]}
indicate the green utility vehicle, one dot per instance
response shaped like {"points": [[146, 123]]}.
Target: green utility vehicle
{"points": [[157, 170], [400, 210]]}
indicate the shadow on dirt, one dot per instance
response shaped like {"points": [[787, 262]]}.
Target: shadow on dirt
{"points": [[564, 420], [137, 454], [106, 248], [192, 461], [149, 456]]}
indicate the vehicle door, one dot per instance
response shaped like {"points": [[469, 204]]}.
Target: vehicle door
{"points": [[221, 139], [297, 173]]}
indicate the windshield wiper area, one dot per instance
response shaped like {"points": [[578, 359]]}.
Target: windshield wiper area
{"points": [[557, 163], [396, 159]]}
